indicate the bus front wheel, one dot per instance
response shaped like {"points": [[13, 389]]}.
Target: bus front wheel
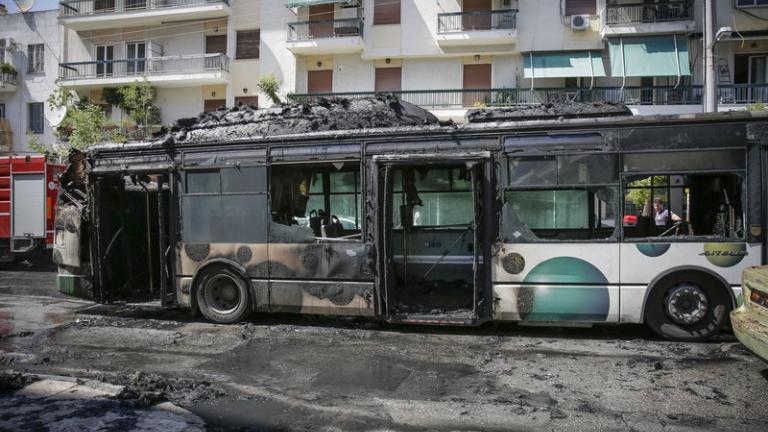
{"points": [[222, 295], [687, 306]]}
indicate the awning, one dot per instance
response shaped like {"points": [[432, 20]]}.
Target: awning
{"points": [[573, 64], [302, 3], [649, 56]]}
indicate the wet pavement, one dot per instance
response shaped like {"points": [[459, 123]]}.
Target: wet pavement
{"points": [[309, 373]]}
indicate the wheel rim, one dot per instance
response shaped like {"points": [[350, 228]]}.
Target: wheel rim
{"points": [[222, 294], [686, 304]]}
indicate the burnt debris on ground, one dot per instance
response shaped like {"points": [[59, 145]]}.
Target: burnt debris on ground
{"points": [[548, 111], [147, 389], [289, 119]]}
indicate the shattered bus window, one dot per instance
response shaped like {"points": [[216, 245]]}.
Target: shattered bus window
{"points": [[708, 205], [326, 198]]}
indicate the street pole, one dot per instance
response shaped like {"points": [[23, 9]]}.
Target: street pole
{"points": [[710, 73]]}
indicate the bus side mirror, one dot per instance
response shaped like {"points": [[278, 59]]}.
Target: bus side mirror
{"points": [[406, 216]]}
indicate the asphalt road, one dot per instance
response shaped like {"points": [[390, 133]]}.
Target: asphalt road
{"points": [[309, 373]]}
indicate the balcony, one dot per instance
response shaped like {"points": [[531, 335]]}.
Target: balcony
{"points": [[338, 36], [8, 82], [637, 18], [497, 27], [174, 71], [738, 94], [82, 15]]}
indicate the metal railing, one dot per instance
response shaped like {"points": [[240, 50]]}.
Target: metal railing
{"points": [[636, 13], [75, 8], [474, 21], [8, 79], [309, 30], [658, 95], [185, 64]]}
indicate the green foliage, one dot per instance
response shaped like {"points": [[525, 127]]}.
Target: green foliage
{"points": [[112, 96], [138, 102], [269, 85], [8, 68], [757, 106], [85, 124], [643, 195]]}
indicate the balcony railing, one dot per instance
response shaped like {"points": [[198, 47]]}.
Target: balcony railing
{"points": [[76, 8], [309, 30], [637, 13], [682, 95], [152, 66], [8, 79], [474, 21]]}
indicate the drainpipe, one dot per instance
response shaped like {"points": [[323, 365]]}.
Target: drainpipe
{"points": [[710, 85]]}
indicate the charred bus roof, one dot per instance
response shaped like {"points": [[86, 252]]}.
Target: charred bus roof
{"points": [[385, 121]]}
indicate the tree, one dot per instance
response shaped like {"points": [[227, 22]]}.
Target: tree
{"points": [[138, 102], [269, 85], [81, 128]]}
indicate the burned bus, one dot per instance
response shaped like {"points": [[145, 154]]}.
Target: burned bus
{"points": [[332, 209]]}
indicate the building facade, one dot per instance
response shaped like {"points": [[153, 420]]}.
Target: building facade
{"points": [[445, 55], [29, 63]]}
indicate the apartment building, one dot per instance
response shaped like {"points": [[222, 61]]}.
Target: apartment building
{"points": [[29, 60], [446, 55]]}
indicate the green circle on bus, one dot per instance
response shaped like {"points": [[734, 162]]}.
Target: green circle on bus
{"points": [[653, 250], [725, 254], [586, 300]]}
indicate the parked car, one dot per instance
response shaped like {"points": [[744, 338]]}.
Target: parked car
{"points": [[750, 320]]}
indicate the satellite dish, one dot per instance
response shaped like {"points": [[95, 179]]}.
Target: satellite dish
{"points": [[55, 115], [24, 5]]}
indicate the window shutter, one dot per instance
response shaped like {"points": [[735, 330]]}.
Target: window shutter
{"points": [[388, 79], [216, 44], [386, 12], [580, 7], [248, 44]]}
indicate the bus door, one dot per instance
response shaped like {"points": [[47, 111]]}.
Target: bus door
{"points": [[131, 238], [433, 222]]}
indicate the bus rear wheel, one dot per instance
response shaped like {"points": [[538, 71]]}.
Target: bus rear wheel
{"points": [[222, 295], [687, 306]]}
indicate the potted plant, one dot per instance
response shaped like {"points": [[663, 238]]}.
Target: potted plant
{"points": [[7, 68]]}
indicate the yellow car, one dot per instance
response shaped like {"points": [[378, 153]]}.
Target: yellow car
{"points": [[750, 320]]}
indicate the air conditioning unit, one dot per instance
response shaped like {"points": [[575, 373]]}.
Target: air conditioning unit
{"points": [[579, 22]]}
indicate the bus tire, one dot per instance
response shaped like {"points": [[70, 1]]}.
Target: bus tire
{"points": [[222, 295], [687, 306]]}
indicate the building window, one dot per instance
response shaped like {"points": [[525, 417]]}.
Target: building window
{"points": [[580, 7], [386, 12], [247, 100], [388, 79], [35, 54], [35, 117], [216, 44], [248, 44], [2, 111], [320, 81], [214, 104], [751, 3]]}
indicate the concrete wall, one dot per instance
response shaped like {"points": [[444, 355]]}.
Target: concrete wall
{"points": [[26, 29]]}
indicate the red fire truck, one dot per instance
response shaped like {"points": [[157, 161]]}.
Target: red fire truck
{"points": [[29, 188]]}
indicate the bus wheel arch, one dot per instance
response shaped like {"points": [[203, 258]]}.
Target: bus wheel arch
{"points": [[222, 292], [687, 303]]}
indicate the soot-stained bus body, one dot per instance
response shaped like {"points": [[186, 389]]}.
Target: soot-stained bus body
{"points": [[576, 221]]}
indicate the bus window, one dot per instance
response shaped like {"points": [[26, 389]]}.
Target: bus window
{"points": [[323, 198], [563, 197], [697, 205], [215, 201], [445, 195]]}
